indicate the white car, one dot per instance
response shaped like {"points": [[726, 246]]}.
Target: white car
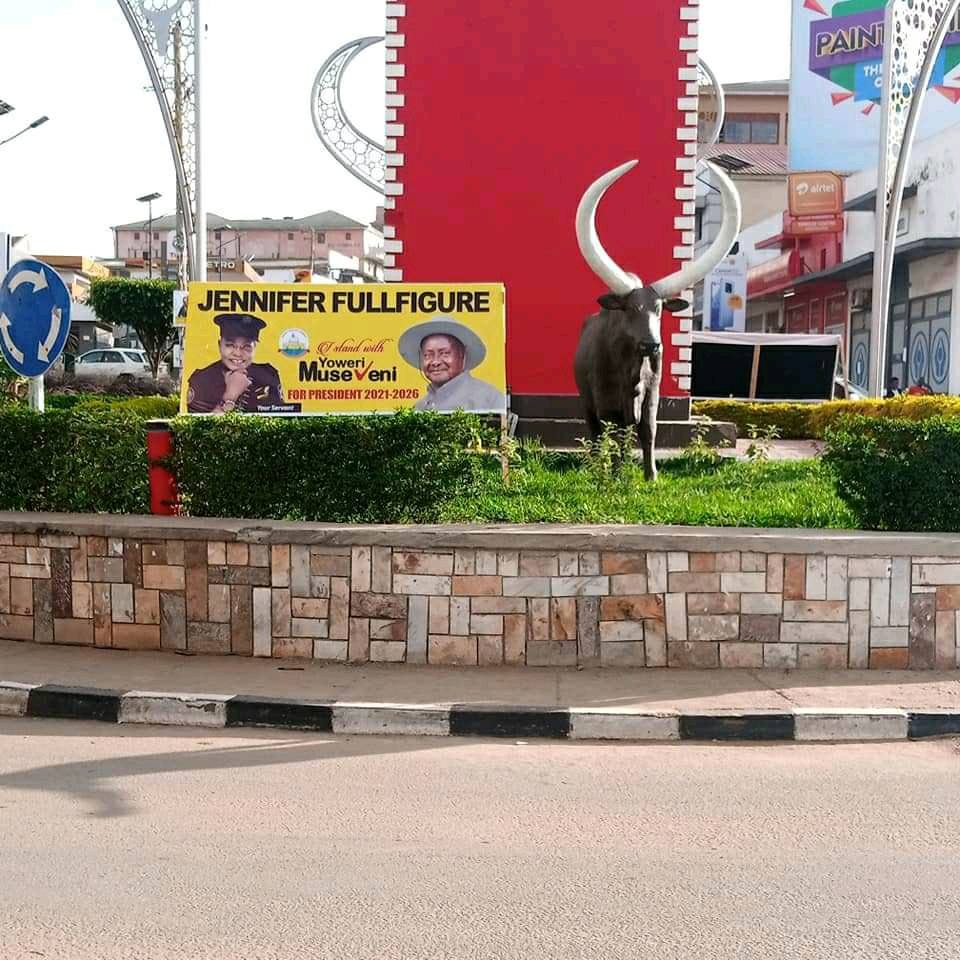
{"points": [[111, 364]]}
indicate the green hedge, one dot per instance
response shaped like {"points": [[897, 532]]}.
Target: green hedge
{"points": [[399, 469], [898, 474], [150, 408], [73, 462], [92, 459], [805, 421], [791, 419]]}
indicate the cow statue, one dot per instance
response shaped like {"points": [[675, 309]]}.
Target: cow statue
{"points": [[618, 360]]}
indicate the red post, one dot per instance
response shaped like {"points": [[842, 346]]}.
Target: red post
{"points": [[163, 484]]}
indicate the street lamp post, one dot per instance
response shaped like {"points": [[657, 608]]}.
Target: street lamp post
{"points": [[223, 244], [148, 199], [33, 126]]}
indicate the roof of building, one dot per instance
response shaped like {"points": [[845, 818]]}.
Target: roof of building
{"points": [[761, 88], [762, 160], [328, 220], [868, 201], [862, 266]]}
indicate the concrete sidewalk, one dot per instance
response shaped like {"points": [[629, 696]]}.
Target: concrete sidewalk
{"points": [[628, 690]]}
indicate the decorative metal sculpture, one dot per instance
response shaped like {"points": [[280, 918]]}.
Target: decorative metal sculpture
{"points": [[166, 35], [707, 80], [914, 31], [363, 157]]}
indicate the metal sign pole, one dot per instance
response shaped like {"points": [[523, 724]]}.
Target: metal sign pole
{"points": [[34, 323], [37, 395]]}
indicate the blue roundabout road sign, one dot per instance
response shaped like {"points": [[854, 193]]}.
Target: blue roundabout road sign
{"points": [[34, 317]]}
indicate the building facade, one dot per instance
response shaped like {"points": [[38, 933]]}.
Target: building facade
{"points": [[753, 150], [269, 243], [824, 283]]}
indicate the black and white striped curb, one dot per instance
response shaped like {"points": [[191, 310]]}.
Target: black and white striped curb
{"points": [[469, 720]]}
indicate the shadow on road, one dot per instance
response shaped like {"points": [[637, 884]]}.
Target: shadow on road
{"points": [[93, 781]]}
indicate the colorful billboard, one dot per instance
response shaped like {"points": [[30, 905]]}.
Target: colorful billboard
{"points": [[836, 85], [725, 296], [305, 350], [815, 194]]}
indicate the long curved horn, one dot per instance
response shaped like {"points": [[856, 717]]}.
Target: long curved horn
{"points": [[694, 272], [600, 262]]}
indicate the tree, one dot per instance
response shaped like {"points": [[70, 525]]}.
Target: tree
{"points": [[144, 305]]}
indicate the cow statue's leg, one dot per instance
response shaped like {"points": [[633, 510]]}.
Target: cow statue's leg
{"points": [[594, 426], [649, 403]]}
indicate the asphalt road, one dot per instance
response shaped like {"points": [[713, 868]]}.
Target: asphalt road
{"points": [[152, 843]]}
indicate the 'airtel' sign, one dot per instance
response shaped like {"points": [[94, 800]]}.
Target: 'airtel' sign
{"points": [[815, 194]]}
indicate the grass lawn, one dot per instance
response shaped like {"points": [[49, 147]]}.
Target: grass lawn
{"points": [[564, 488]]}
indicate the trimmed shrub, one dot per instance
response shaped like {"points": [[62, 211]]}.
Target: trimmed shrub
{"points": [[399, 469], [807, 421], [791, 419], [826, 415], [73, 462], [898, 474], [63, 401], [150, 408]]}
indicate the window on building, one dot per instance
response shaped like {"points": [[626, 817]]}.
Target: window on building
{"points": [[218, 234], [156, 236], [349, 236], [701, 213], [289, 236], [146, 254], [798, 319], [751, 128], [136, 236], [321, 237], [836, 314]]}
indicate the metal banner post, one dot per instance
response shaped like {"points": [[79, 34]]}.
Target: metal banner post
{"points": [[913, 35], [165, 32]]}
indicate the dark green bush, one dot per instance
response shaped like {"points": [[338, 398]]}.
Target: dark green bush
{"points": [[63, 401], [399, 469], [72, 462], [898, 474]]}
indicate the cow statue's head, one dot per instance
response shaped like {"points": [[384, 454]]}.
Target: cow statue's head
{"points": [[644, 304]]}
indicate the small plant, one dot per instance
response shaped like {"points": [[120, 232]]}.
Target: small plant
{"points": [[532, 450], [761, 439], [700, 456], [606, 456]]}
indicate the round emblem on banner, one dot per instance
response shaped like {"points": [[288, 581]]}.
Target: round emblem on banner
{"points": [[294, 343], [860, 365], [918, 359], [940, 358]]}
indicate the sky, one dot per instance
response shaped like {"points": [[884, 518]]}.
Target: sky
{"points": [[68, 181]]}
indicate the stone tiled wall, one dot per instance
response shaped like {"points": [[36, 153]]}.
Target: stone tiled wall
{"points": [[423, 599]]}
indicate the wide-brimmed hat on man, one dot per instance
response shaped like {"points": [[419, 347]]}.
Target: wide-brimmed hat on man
{"points": [[411, 339]]}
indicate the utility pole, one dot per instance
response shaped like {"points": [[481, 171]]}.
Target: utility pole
{"points": [[200, 223], [183, 274]]}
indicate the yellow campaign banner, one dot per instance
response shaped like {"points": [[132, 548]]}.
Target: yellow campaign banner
{"points": [[309, 350]]}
